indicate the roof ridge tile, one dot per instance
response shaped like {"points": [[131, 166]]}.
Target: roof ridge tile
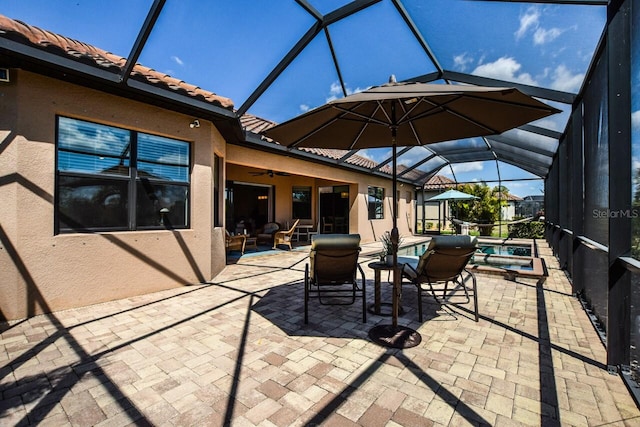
{"points": [[86, 53]]}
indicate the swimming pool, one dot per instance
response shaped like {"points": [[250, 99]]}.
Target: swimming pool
{"points": [[496, 257], [487, 248]]}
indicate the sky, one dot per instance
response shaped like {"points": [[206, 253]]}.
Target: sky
{"points": [[229, 47]]}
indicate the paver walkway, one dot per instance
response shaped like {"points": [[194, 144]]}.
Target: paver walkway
{"points": [[236, 352]]}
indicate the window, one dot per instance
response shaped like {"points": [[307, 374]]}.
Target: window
{"points": [[376, 205], [110, 178], [301, 203]]}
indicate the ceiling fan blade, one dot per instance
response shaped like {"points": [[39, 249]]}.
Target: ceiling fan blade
{"points": [[270, 172]]}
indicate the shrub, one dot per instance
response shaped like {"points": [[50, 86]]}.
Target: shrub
{"points": [[485, 209], [527, 230]]}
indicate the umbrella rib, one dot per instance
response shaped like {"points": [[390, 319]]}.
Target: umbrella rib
{"points": [[357, 138], [411, 126], [309, 134], [366, 122], [367, 119], [541, 107], [328, 123], [442, 108]]}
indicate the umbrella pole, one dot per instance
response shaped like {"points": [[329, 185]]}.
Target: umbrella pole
{"points": [[393, 335], [395, 235]]}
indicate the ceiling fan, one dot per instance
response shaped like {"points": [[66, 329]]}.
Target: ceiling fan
{"points": [[270, 173]]}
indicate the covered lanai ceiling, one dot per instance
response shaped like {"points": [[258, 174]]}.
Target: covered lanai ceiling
{"points": [[278, 59]]}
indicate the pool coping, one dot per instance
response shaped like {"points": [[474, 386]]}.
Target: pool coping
{"points": [[539, 269]]}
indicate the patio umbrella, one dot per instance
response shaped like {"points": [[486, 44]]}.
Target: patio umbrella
{"points": [[450, 196], [409, 113]]}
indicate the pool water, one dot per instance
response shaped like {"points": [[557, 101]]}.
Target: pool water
{"points": [[414, 250], [488, 249], [514, 250], [495, 255]]}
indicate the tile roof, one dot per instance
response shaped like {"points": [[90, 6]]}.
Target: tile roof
{"points": [[21, 32], [257, 125], [438, 182], [512, 197], [354, 159], [54, 43]]}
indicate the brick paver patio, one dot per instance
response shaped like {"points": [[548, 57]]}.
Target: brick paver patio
{"points": [[236, 352]]}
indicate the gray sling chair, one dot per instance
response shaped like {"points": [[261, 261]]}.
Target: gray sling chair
{"points": [[332, 272], [444, 262]]}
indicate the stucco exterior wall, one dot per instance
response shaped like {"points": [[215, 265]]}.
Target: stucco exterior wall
{"points": [[319, 175], [43, 272]]}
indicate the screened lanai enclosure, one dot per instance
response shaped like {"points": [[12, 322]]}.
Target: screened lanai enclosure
{"points": [[279, 59]]}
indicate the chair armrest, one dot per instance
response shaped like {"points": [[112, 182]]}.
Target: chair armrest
{"points": [[409, 271]]}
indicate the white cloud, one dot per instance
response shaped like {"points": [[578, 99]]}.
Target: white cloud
{"points": [[92, 138], [335, 91], [177, 60], [542, 36], [530, 23], [530, 19], [467, 167], [460, 62], [504, 68], [564, 80], [304, 108], [335, 88], [635, 120]]}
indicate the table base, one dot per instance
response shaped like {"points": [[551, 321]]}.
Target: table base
{"points": [[394, 336]]}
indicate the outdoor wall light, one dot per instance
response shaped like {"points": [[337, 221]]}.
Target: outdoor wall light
{"points": [[194, 124]]}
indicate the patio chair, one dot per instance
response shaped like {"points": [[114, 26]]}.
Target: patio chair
{"points": [[312, 233], [267, 232], [235, 243], [327, 225], [332, 271], [444, 261], [284, 237]]}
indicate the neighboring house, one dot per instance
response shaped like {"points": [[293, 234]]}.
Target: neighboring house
{"points": [[509, 211], [433, 216], [530, 206], [116, 189]]}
